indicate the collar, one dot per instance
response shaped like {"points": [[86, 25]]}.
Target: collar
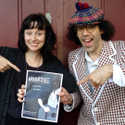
{"points": [[89, 60]]}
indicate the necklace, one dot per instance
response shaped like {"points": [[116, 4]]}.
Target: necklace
{"points": [[35, 61]]}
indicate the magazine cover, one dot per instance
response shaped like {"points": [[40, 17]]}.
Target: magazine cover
{"points": [[41, 101]]}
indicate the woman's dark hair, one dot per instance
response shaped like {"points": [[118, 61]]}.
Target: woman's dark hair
{"points": [[105, 26], [42, 24]]}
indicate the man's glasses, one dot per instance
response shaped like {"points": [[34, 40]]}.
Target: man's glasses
{"points": [[88, 27]]}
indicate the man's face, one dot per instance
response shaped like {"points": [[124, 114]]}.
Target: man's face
{"points": [[90, 37]]}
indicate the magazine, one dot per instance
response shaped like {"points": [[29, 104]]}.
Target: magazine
{"points": [[41, 101]]}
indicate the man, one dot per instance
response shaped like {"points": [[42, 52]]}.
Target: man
{"points": [[99, 68]]}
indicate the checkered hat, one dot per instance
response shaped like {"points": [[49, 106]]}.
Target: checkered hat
{"points": [[86, 14]]}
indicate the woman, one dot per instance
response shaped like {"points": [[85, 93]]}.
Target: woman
{"points": [[34, 52]]}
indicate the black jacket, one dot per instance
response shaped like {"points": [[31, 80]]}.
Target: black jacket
{"points": [[7, 76]]}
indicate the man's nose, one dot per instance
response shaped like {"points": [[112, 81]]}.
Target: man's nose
{"points": [[85, 31]]}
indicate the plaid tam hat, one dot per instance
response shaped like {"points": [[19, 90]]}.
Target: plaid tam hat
{"points": [[86, 14]]}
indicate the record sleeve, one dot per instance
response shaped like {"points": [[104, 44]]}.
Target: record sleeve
{"points": [[41, 101]]}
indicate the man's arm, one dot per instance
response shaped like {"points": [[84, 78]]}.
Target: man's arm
{"points": [[115, 71], [70, 100], [99, 76]]}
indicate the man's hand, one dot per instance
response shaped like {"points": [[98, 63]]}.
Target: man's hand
{"points": [[21, 93], [99, 76], [65, 96], [6, 64]]}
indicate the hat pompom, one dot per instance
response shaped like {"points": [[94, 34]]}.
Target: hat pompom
{"points": [[81, 6]]}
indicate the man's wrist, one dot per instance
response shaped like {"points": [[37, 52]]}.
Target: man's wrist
{"points": [[69, 107]]}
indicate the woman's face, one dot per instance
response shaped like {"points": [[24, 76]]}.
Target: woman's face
{"points": [[34, 39]]}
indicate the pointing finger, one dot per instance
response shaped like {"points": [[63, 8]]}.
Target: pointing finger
{"points": [[13, 66]]}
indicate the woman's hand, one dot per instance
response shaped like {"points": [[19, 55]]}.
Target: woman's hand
{"points": [[6, 64], [21, 93]]}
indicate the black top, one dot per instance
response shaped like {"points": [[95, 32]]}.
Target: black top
{"points": [[50, 64]]}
